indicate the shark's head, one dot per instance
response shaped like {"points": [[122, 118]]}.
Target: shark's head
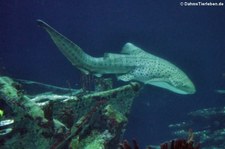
{"points": [[176, 81], [157, 71], [182, 85], [176, 85]]}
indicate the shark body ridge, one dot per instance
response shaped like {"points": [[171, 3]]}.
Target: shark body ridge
{"points": [[132, 63]]}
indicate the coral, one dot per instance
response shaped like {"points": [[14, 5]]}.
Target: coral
{"points": [[74, 144], [182, 143], [174, 144], [96, 140], [7, 87], [72, 119], [126, 145], [113, 114]]}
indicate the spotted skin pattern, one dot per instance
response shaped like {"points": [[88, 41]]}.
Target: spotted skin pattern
{"points": [[132, 63]]}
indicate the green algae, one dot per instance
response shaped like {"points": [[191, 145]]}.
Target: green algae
{"points": [[7, 87], [96, 140], [114, 114]]}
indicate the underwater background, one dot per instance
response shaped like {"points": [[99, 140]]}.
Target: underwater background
{"points": [[193, 38]]}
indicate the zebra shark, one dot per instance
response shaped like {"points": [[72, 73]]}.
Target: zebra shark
{"points": [[132, 63]]}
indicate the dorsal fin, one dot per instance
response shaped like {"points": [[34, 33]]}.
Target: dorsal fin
{"points": [[131, 49]]}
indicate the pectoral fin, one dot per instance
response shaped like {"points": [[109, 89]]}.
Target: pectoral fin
{"points": [[84, 71], [98, 75], [125, 77]]}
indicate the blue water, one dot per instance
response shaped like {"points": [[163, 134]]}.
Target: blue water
{"points": [[193, 38]]}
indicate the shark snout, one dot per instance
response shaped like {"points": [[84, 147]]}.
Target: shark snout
{"points": [[189, 87], [192, 88]]}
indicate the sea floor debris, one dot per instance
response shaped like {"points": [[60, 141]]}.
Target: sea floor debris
{"points": [[74, 119]]}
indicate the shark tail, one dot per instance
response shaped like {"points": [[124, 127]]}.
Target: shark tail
{"points": [[69, 49]]}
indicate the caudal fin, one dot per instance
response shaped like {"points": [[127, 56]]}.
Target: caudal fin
{"points": [[71, 51]]}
